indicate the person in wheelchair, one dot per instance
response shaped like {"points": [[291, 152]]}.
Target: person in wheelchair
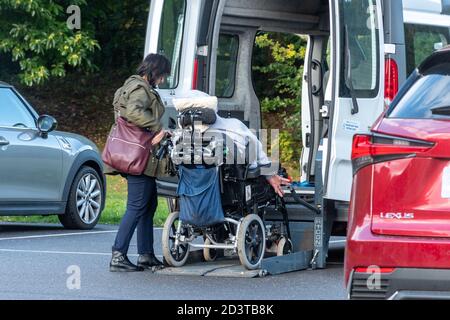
{"points": [[248, 145], [223, 201]]}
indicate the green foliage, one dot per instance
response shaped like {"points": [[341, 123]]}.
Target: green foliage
{"points": [[120, 28], [34, 34], [35, 39], [278, 76]]}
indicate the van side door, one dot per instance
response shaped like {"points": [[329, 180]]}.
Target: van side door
{"points": [[174, 29], [357, 95], [171, 30]]}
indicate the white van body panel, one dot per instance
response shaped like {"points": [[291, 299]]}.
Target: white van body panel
{"points": [[345, 125], [154, 21], [431, 6], [188, 45], [426, 18]]}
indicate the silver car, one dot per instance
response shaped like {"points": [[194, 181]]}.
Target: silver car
{"points": [[46, 172]]}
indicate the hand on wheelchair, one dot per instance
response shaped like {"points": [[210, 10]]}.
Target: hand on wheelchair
{"points": [[158, 137], [277, 182]]}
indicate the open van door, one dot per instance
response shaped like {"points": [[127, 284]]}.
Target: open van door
{"points": [[315, 79], [182, 31], [356, 97]]}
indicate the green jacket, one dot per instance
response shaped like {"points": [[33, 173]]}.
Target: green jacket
{"points": [[140, 104]]}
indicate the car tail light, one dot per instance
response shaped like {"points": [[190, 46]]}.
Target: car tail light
{"points": [[374, 269], [369, 149], [195, 75], [391, 81]]}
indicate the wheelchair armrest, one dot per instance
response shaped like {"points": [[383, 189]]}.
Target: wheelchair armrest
{"points": [[253, 173]]}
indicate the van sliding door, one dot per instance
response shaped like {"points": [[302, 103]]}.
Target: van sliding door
{"points": [[358, 82]]}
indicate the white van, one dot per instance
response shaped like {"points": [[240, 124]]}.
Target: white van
{"points": [[373, 48]]}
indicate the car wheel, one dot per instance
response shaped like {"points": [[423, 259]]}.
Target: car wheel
{"points": [[85, 202]]}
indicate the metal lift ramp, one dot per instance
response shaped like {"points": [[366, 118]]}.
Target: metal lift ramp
{"points": [[302, 227], [311, 222]]}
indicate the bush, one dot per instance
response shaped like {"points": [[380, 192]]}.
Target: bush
{"points": [[278, 67], [34, 34]]}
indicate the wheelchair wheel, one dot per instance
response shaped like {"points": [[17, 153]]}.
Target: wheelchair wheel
{"points": [[284, 247], [209, 254], [174, 256], [251, 241]]}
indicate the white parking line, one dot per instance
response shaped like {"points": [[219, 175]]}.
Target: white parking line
{"points": [[56, 252], [66, 252], [58, 235]]}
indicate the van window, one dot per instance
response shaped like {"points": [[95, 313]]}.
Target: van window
{"points": [[421, 41], [227, 54], [171, 37], [360, 19], [429, 92]]}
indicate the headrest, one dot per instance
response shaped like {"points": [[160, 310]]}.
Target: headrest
{"points": [[204, 115], [207, 102], [200, 109]]}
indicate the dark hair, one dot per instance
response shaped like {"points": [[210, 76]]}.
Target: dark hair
{"points": [[154, 66]]}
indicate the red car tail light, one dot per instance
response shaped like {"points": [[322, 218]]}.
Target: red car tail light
{"points": [[372, 270], [369, 149]]}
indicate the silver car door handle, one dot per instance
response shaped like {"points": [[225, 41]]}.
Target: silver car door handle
{"points": [[3, 141]]}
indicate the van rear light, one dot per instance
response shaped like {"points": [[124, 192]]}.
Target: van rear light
{"points": [[370, 149], [195, 75], [391, 84]]}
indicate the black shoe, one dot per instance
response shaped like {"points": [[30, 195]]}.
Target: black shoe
{"points": [[149, 261], [120, 263]]}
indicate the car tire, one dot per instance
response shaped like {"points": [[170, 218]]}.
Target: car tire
{"points": [[85, 202]]}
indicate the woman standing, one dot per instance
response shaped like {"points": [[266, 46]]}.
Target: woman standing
{"points": [[138, 102]]}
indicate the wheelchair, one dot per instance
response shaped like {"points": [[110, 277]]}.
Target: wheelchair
{"points": [[245, 197]]}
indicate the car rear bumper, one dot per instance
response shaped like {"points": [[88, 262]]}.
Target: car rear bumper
{"points": [[401, 284]]}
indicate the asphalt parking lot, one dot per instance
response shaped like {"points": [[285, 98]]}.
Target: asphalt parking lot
{"points": [[49, 262]]}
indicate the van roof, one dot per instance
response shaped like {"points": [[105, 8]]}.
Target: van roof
{"points": [[429, 6]]}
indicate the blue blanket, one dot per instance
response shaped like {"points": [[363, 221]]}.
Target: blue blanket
{"points": [[199, 192]]}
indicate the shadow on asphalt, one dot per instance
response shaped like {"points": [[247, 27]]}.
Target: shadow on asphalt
{"points": [[336, 255]]}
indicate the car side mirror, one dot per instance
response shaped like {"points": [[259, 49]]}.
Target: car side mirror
{"points": [[172, 124], [46, 124]]}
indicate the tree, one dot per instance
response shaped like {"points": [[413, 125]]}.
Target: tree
{"points": [[35, 34], [279, 60]]}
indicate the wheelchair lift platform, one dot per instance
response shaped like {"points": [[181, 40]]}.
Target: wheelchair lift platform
{"points": [[232, 268]]}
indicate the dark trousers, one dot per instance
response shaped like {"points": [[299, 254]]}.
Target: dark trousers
{"points": [[141, 206]]}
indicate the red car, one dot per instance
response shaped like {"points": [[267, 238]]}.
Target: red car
{"points": [[398, 244]]}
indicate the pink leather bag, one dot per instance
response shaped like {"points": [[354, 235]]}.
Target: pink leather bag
{"points": [[128, 148]]}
